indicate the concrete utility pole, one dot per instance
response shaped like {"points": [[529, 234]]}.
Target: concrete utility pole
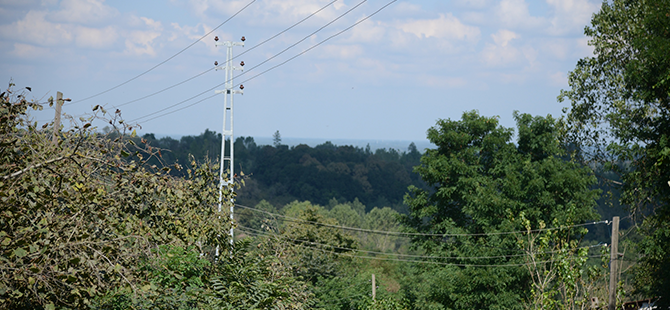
{"points": [[374, 288], [59, 104], [227, 132], [614, 257]]}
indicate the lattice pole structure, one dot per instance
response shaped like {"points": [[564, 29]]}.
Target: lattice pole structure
{"points": [[228, 162]]}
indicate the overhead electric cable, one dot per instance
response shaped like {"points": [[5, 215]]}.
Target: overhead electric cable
{"points": [[412, 255], [315, 45], [397, 233], [269, 59], [164, 61], [435, 262], [239, 55]]}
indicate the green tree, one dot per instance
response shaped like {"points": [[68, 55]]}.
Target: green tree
{"points": [[276, 139], [483, 184], [314, 247], [87, 223], [620, 118]]}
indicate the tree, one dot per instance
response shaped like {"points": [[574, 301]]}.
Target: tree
{"points": [[276, 139], [484, 184], [620, 118], [315, 248]]}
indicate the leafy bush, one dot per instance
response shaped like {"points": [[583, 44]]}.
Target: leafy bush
{"points": [[77, 215]]}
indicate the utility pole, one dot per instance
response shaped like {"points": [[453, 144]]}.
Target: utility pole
{"points": [[59, 104], [614, 257], [374, 288], [227, 132]]}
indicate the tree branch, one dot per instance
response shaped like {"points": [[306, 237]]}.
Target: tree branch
{"points": [[18, 173]]}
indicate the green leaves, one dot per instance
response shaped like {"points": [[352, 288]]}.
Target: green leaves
{"points": [[620, 115], [484, 184], [20, 252], [78, 216]]}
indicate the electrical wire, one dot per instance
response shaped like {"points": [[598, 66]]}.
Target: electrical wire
{"points": [[315, 45], [239, 55], [434, 262], [396, 233], [263, 62], [411, 255], [164, 61]]}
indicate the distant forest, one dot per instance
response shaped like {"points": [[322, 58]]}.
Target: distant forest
{"points": [[281, 174]]}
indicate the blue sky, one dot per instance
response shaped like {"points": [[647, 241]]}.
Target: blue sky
{"points": [[391, 77]]}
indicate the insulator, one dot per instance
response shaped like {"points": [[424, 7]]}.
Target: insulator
{"points": [[243, 39], [241, 86], [242, 63], [216, 63], [216, 38]]}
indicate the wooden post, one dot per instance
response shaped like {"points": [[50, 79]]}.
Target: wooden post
{"points": [[614, 257], [59, 104], [374, 288]]}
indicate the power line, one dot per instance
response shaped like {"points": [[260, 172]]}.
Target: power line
{"points": [[397, 233], [269, 59], [170, 58], [315, 45], [239, 55], [412, 255], [434, 262]]}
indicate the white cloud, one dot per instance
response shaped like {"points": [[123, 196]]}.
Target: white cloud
{"points": [[95, 38], [29, 51], [445, 27], [503, 37], [84, 12], [275, 12], [530, 54], [501, 53], [34, 28], [140, 42], [515, 14], [570, 15], [368, 32]]}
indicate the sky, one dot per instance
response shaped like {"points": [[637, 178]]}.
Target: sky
{"points": [[391, 77]]}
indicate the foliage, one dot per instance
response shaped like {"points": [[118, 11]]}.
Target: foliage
{"points": [[620, 113], [87, 223], [257, 280], [279, 174], [314, 248], [177, 279], [484, 184]]}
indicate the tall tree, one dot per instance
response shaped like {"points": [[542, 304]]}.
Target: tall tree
{"points": [[484, 184], [276, 139], [620, 117]]}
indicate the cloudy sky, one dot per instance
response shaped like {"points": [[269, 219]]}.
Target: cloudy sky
{"points": [[390, 77]]}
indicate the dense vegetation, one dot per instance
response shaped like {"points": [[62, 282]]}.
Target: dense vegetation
{"points": [[620, 115], [492, 218], [86, 223], [280, 174]]}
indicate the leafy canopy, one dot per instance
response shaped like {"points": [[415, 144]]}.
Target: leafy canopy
{"points": [[620, 118], [484, 184]]}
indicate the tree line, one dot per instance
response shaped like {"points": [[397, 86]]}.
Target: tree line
{"points": [[280, 174]]}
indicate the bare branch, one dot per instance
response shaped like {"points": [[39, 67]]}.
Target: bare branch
{"points": [[50, 161]]}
